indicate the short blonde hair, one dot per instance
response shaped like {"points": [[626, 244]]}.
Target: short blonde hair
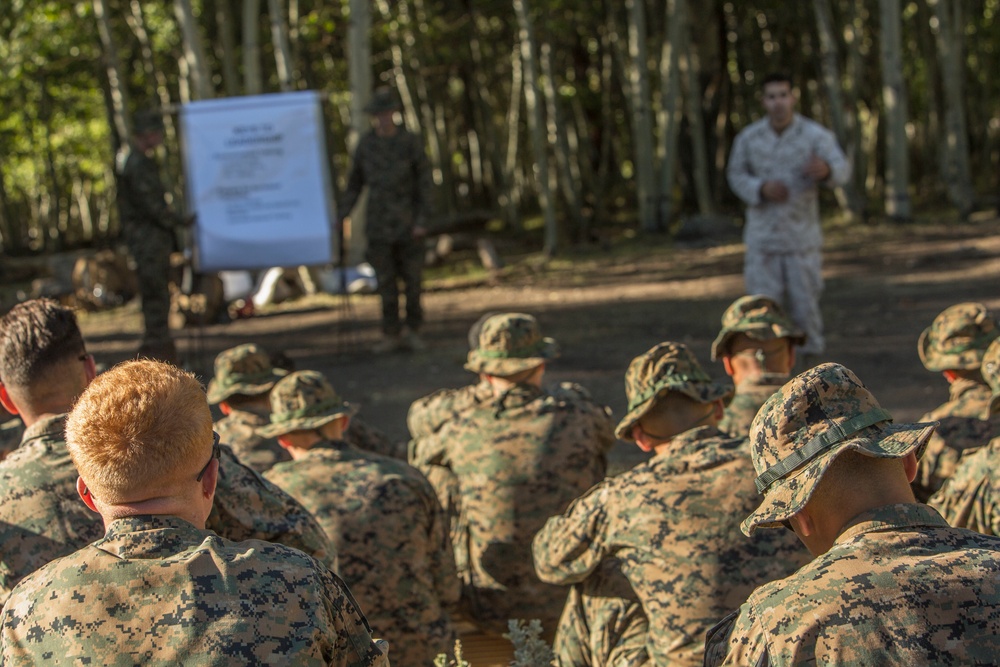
{"points": [[142, 425]]}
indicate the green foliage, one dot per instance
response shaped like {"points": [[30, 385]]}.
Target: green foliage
{"points": [[442, 660], [530, 650]]}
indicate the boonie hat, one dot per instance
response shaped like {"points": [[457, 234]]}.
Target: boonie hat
{"points": [[759, 317], [804, 426], [383, 99], [510, 343], [957, 338], [302, 401], [244, 369], [664, 368], [991, 373]]}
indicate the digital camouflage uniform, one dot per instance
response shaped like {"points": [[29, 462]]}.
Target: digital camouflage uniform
{"points": [[149, 227], [245, 370], [970, 498], [897, 587], [670, 526], [155, 590], [383, 517], [747, 399], [398, 178], [519, 458], [761, 319], [43, 518], [956, 340]]}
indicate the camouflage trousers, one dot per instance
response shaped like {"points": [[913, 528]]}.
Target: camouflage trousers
{"points": [[152, 259], [603, 623], [393, 262], [794, 279]]}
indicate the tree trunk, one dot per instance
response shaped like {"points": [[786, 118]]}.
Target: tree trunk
{"points": [[955, 170], [642, 121], [253, 82], [227, 48], [897, 176], [848, 194], [194, 52], [513, 122], [279, 42], [119, 97], [557, 129], [536, 123], [671, 109], [691, 67]]}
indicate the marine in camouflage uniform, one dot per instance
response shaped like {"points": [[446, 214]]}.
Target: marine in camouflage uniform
{"points": [[149, 225], [519, 458], [970, 498], [756, 346], [158, 588], [243, 378], [381, 514], [891, 583], [669, 526], [41, 516], [954, 345], [392, 163]]}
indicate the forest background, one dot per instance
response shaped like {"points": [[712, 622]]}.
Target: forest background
{"points": [[557, 118]]}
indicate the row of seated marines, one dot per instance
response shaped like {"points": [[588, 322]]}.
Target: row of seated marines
{"points": [[133, 530]]}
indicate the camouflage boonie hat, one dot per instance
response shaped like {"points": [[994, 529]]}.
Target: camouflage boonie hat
{"points": [[803, 427], [666, 367], [147, 120], [383, 99], [510, 343], [302, 401], [244, 369], [957, 338], [760, 318], [991, 373]]}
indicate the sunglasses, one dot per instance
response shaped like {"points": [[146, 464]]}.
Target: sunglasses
{"points": [[216, 454]]}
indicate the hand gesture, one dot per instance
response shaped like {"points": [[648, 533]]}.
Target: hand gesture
{"points": [[774, 191], [816, 169]]}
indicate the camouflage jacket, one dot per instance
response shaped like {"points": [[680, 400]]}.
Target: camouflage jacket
{"points": [[519, 459], [41, 515], [11, 432], [238, 429], [398, 178], [760, 154], [898, 587], [749, 397], [156, 591], [43, 518], [147, 219], [392, 539], [970, 498], [364, 436], [672, 526], [962, 431]]}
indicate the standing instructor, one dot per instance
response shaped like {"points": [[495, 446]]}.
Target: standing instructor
{"points": [[775, 167], [391, 162]]}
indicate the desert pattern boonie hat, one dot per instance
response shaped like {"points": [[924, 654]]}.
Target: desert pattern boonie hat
{"points": [[383, 99], [759, 317], [303, 401], [664, 368], [244, 369], [991, 373], [804, 426], [510, 343], [958, 337]]}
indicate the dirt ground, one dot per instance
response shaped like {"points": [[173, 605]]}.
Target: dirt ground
{"points": [[884, 284]]}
